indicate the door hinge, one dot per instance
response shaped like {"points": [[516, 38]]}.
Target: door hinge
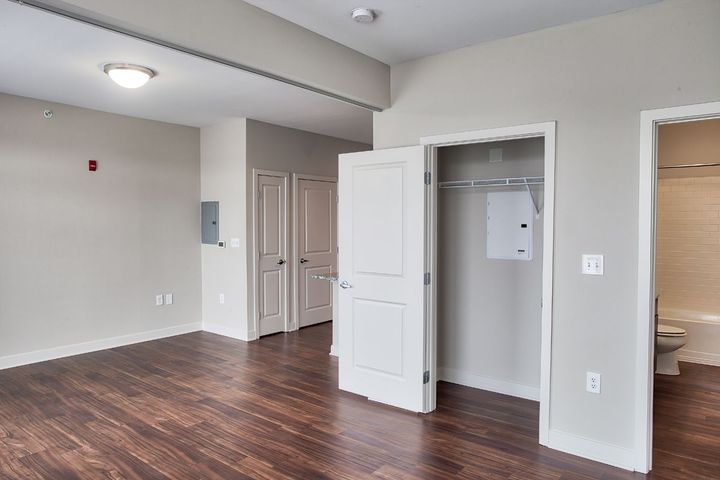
{"points": [[426, 377], [428, 177], [426, 278]]}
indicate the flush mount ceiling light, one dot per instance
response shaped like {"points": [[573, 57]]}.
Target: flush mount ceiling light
{"points": [[127, 75], [363, 15]]}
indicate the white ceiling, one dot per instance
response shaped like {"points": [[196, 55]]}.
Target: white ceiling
{"points": [[52, 58], [409, 29]]}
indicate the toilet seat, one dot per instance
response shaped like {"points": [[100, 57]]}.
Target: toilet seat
{"points": [[670, 331]]}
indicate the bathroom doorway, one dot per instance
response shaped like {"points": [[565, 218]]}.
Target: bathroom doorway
{"points": [[680, 241]]}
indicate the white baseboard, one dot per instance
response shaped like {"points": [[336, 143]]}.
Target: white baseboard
{"points": [[704, 358], [225, 331], [333, 351], [614, 455], [19, 359], [486, 383]]}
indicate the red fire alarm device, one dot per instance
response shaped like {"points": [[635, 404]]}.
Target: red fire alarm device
{"points": [[92, 165]]}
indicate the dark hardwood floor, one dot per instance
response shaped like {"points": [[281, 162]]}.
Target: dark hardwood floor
{"points": [[202, 406]]}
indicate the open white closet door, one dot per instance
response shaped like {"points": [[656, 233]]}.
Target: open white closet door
{"points": [[381, 232]]}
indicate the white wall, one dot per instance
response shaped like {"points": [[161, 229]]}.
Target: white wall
{"points": [[593, 78], [489, 314], [224, 269], [83, 254], [245, 34]]}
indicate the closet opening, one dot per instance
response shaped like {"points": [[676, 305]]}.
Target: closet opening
{"points": [[491, 258]]}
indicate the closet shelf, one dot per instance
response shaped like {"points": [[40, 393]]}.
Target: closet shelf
{"points": [[498, 182], [493, 182]]}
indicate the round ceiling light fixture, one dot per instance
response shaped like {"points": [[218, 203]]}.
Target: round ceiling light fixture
{"points": [[128, 75], [363, 15]]}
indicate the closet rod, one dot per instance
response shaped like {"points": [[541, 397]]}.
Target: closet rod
{"points": [[691, 165]]}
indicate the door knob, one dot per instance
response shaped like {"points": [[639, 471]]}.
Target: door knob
{"points": [[302, 260], [344, 284], [280, 262]]}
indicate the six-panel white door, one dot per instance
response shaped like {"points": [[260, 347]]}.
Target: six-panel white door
{"points": [[381, 228], [316, 247], [271, 231]]}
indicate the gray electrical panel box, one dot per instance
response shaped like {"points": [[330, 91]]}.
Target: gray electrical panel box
{"points": [[210, 215]]}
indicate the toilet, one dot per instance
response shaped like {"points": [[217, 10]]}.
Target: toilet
{"points": [[669, 340]]}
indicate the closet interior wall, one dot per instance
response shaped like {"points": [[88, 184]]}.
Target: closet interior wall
{"points": [[489, 311]]}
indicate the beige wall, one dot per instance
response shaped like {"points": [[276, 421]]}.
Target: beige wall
{"points": [[593, 78], [489, 314], [270, 147], [82, 255], [223, 269], [240, 32], [687, 143]]}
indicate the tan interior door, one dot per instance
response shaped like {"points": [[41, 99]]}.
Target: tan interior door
{"points": [[317, 249], [272, 254]]}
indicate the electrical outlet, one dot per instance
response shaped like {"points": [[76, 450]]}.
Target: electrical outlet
{"points": [[168, 299], [593, 381], [158, 300], [221, 298], [593, 264]]}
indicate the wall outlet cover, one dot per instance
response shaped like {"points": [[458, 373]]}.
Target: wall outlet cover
{"points": [[592, 382], [593, 264]]}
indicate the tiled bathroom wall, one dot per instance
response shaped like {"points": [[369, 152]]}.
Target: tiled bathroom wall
{"points": [[688, 244]]}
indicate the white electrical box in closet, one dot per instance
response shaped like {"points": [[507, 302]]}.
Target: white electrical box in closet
{"points": [[510, 218]]}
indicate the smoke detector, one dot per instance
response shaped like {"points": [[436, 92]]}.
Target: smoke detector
{"points": [[363, 15]]}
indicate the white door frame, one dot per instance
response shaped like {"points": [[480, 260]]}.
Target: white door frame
{"points": [[296, 177], [256, 173], [547, 131], [649, 121]]}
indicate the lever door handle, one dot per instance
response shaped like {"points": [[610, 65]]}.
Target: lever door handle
{"points": [[302, 260], [345, 285], [280, 262]]}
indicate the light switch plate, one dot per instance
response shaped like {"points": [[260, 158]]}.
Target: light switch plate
{"points": [[168, 299], [593, 265], [221, 298], [234, 243], [158, 300]]}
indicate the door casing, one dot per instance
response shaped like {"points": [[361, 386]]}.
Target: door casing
{"points": [[545, 130], [644, 375]]}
